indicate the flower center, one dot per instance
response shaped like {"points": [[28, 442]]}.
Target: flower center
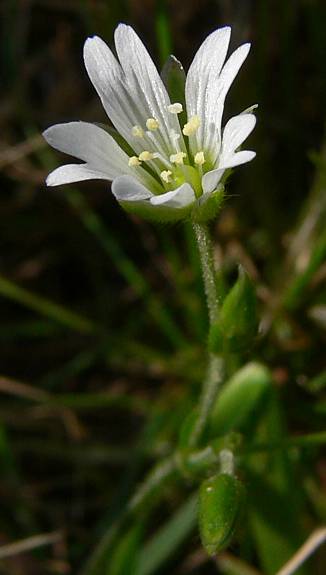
{"points": [[174, 168]]}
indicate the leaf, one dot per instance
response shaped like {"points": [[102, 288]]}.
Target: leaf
{"points": [[125, 555], [168, 539], [240, 399], [237, 323]]}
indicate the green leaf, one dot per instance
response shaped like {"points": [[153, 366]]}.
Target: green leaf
{"points": [[237, 324], [168, 539], [125, 556], [240, 399]]}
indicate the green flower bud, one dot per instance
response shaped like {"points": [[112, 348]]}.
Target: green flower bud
{"points": [[240, 398], [237, 323], [221, 500]]}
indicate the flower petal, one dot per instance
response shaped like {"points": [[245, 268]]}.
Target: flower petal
{"points": [[236, 131], [144, 82], [237, 159], [105, 74], [226, 78], [211, 180], [91, 144], [202, 80], [127, 189], [131, 92], [179, 198], [73, 173]]}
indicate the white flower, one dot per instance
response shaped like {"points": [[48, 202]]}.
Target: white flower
{"points": [[171, 166]]}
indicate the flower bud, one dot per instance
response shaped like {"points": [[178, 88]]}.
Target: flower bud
{"points": [[237, 323], [221, 500], [240, 398]]}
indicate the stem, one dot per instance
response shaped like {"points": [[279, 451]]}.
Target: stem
{"points": [[205, 248], [227, 461], [215, 366], [209, 391]]}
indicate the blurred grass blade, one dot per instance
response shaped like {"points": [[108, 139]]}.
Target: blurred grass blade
{"points": [[316, 539], [298, 288], [125, 266], [230, 565], [163, 31], [167, 540], [124, 558], [275, 496], [46, 307]]}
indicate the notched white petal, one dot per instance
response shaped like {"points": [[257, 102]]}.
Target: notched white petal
{"points": [[236, 132], [71, 173], [211, 180], [179, 198], [91, 144], [127, 189], [238, 158]]}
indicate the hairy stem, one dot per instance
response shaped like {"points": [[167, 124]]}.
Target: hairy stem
{"points": [[205, 248], [215, 366]]}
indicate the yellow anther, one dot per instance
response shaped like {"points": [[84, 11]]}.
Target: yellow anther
{"points": [[191, 126], [137, 132], [177, 158], [166, 176], [175, 108], [199, 158], [146, 156], [152, 124], [133, 162]]}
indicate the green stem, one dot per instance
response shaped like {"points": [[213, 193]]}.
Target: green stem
{"points": [[205, 248], [209, 391], [215, 366]]}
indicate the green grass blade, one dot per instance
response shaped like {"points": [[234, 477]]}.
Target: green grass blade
{"points": [[46, 307], [168, 539]]}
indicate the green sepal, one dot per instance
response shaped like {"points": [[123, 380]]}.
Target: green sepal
{"points": [[160, 214], [240, 399], [118, 138], [221, 502], [174, 79], [208, 206], [236, 326]]}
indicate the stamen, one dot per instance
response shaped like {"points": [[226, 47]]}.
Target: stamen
{"points": [[137, 132], [177, 158], [152, 124], [191, 126], [175, 108], [199, 158], [145, 156], [166, 176], [133, 161]]}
